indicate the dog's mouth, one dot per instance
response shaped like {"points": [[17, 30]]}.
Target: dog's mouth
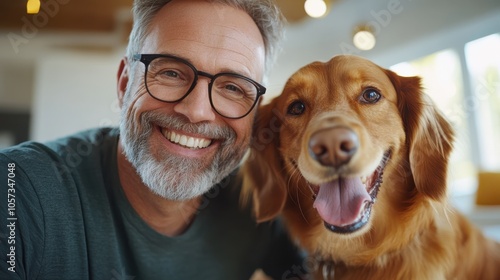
{"points": [[345, 204]]}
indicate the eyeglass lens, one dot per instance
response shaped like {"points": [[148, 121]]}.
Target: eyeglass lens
{"points": [[170, 80]]}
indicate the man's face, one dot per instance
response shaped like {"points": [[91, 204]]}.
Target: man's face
{"points": [[182, 149]]}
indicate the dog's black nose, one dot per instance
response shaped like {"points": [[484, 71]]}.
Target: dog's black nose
{"points": [[333, 146]]}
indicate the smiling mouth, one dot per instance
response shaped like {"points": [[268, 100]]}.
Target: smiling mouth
{"points": [[186, 140], [345, 203]]}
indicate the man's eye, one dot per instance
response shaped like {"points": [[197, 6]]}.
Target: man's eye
{"points": [[169, 73], [232, 87]]}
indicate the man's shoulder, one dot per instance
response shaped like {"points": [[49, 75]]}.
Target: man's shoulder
{"points": [[62, 149], [82, 141], [51, 162], [58, 191]]}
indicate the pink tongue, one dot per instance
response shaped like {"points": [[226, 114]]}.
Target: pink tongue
{"points": [[339, 202]]}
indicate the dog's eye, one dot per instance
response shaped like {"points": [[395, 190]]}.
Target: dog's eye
{"points": [[370, 96], [296, 108]]}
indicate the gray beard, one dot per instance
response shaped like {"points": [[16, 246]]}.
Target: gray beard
{"points": [[171, 176]]}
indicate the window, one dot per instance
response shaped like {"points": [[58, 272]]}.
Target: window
{"points": [[442, 81], [483, 62], [465, 84]]}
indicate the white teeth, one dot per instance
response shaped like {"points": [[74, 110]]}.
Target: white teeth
{"points": [[183, 140], [187, 141]]}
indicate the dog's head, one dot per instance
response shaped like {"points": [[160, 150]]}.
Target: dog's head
{"points": [[336, 131]]}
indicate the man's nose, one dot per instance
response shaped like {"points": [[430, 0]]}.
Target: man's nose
{"points": [[196, 106]]}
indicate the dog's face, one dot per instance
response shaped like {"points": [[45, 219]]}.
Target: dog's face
{"points": [[346, 145], [341, 126]]}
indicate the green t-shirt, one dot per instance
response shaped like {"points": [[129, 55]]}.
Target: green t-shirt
{"points": [[64, 216]]}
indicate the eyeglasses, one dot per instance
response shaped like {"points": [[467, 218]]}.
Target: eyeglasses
{"points": [[170, 79]]}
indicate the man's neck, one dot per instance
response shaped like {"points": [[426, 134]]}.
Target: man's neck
{"points": [[167, 217]]}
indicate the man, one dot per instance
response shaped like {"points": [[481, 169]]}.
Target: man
{"points": [[156, 199]]}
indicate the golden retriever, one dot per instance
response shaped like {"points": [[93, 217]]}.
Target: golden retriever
{"points": [[355, 159]]}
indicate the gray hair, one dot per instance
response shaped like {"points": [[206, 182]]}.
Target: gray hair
{"points": [[264, 13]]}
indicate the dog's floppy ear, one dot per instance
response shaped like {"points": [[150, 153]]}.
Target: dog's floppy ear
{"points": [[262, 171], [429, 136]]}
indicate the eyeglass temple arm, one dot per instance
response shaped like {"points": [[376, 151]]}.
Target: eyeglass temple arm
{"points": [[137, 56]]}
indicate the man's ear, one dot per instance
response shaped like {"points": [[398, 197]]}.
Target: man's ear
{"points": [[122, 78]]}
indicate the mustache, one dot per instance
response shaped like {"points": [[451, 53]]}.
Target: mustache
{"points": [[181, 123]]}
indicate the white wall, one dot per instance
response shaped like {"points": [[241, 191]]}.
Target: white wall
{"points": [[16, 85], [74, 91]]}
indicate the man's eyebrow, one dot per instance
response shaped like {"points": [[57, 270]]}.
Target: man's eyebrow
{"points": [[241, 73], [223, 70]]}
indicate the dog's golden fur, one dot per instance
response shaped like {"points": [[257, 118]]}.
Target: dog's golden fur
{"points": [[413, 232]]}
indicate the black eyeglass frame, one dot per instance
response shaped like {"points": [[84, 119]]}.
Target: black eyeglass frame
{"points": [[147, 58]]}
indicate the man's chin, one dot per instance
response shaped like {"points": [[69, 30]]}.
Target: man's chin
{"points": [[182, 181]]}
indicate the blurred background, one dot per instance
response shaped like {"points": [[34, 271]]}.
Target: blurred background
{"points": [[58, 68]]}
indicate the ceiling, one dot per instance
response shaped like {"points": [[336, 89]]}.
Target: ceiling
{"points": [[104, 25], [65, 15], [93, 15], [61, 20]]}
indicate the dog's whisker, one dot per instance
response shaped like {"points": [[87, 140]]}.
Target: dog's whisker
{"points": [[298, 176], [290, 183], [295, 173]]}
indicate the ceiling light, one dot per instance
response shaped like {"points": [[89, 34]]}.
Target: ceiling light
{"points": [[315, 8], [363, 38], [33, 6]]}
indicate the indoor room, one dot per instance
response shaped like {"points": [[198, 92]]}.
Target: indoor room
{"points": [[58, 71]]}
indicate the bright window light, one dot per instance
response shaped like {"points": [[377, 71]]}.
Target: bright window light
{"points": [[483, 63]]}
